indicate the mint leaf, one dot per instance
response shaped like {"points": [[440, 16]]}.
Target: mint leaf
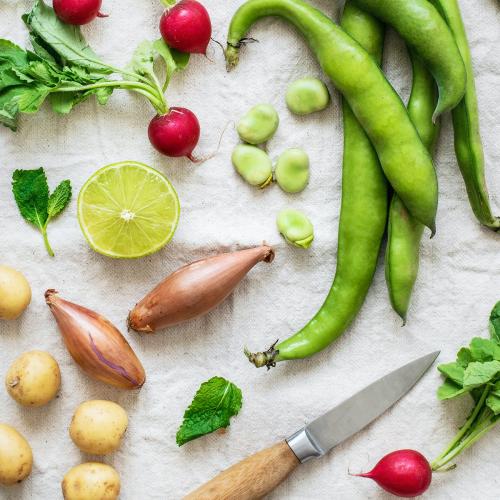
{"points": [[478, 373], [494, 324], [31, 193], [59, 199], [216, 401], [453, 371]]}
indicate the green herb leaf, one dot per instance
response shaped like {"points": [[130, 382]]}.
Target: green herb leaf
{"points": [[493, 403], [453, 371], [484, 349], [65, 39], [143, 59], [216, 401], [464, 357], [59, 199], [31, 193], [449, 390], [479, 373], [173, 59], [494, 324]]}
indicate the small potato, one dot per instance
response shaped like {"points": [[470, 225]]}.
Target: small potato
{"points": [[91, 481], [15, 293], [98, 426], [16, 457], [33, 379]]}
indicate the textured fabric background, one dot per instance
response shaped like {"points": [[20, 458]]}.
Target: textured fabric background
{"points": [[457, 286]]}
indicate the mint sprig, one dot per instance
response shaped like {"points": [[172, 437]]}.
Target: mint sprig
{"points": [[216, 401], [31, 192]]}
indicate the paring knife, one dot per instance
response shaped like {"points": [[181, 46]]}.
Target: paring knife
{"points": [[258, 475]]}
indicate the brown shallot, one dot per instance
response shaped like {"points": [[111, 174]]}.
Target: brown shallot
{"points": [[96, 345], [195, 289]]}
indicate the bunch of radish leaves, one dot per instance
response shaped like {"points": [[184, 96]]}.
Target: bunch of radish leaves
{"points": [[476, 372], [65, 70]]}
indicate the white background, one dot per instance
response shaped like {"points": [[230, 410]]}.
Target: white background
{"points": [[456, 289]]}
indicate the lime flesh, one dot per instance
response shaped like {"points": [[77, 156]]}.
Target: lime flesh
{"points": [[128, 210]]}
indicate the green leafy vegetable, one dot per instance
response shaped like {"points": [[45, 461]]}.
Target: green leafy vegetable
{"points": [[31, 192], [475, 372], [216, 401], [494, 325], [64, 68]]}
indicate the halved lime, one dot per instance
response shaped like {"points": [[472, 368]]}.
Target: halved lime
{"points": [[128, 210]]}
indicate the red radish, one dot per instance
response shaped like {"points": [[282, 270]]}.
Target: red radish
{"points": [[176, 133], [77, 11], [187, 27], [405, 473]]}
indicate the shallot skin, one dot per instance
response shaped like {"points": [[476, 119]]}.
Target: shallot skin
{"points": [[195, 289], [96, 345]]}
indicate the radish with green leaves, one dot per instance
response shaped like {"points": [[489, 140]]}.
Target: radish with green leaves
{"points": [[187, 27], [78, 12], [64, 70], [476, 371]]}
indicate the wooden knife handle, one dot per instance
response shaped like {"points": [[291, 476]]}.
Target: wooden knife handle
{"points": [[252, 478]]}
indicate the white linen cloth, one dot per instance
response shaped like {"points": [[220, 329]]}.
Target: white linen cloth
{"points": [[456, 288]]}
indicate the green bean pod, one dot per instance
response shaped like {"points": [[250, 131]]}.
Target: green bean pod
{"points": [[404, 231], [378, 108], [468, 146], [424, 30], [362, 222]]}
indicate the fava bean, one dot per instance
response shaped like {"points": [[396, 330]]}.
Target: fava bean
{"points": [[468, 145], [259, 124], [306, 96], [362, 222], [424, 30], [378, 108], [404, 232], [253, 164], [292, 170], [295, 227]]}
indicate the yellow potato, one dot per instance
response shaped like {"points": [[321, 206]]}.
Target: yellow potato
{"points": [[15, 293], [16, 457], [91, 481], [98, 426], [33, 378]]}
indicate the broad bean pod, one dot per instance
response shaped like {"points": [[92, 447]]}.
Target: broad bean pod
{"points": [[468, 145], [378, 108], [404, 232], [362, 223], [424, 30]]}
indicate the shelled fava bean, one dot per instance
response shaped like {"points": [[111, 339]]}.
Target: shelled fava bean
{"points": [[258, 125], [306, 96], [292, 170], [253, 164], [295, 227]]}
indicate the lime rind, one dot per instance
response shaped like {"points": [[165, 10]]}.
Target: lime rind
{"points": [[115, 197]]}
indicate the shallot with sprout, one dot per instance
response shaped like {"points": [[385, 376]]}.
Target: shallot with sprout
{"points": [[195, 289], [96, 345]]}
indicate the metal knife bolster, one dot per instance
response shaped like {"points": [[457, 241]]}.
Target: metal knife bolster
{"points": [[303, 446]]}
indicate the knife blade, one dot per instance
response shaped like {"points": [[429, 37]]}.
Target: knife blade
{"points": [[259, 474], [349, 417]]}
